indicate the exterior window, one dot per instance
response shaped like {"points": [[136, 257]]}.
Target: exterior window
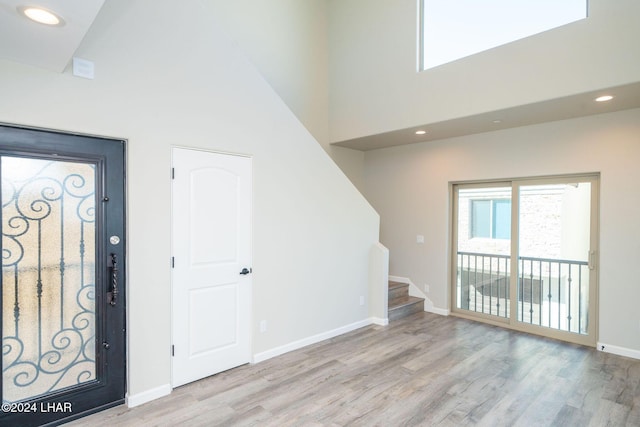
{"points": [[491, 219], [454, 29]]}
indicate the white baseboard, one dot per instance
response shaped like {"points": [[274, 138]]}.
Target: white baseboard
{"points": [[415, 291], [437, 310], [262, 356], [380, 321], [164, 390], [620, 351], [149, 395]]}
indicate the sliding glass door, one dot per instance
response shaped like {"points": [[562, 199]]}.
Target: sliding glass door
{"points": [[483, 261], [525, 255]]}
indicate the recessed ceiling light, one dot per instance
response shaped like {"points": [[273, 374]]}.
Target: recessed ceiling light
{"points": [[497, 121], [604, 98], [421, 132], [41, 16]]}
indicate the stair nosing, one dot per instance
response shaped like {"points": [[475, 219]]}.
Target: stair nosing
{"points": [[410, 301], [393, 284]]}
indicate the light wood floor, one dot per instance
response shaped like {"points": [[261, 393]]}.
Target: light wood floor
{"points": [[421, 370]]}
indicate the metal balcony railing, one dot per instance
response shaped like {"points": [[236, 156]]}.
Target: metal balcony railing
{"points": [[552, 293]]}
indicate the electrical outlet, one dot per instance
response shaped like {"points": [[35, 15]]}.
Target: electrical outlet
{"points": [[263, 326], [361, 300], [426, 288]]}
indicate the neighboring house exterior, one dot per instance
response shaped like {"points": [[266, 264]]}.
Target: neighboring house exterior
{"points": [[553, 224], [547, 214]]}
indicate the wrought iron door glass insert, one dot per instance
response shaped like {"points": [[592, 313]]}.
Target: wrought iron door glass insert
{"points": [[48, 276]]}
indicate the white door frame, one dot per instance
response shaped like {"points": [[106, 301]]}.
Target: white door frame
{"points": [[511, 322], [247, 278]]}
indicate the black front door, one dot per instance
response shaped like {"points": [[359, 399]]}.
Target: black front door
{"points": [[63, 270]]}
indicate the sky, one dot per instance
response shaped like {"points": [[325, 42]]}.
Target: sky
{"points": [[454, 29]]}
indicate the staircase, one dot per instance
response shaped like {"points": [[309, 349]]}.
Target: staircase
{"points": [[400, 303]]}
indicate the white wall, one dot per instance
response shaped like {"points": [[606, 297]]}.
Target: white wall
{"points": [[288, 43], [375, 86], [172, 79], [409, 187]]}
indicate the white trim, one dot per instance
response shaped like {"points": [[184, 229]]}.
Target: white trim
{"points": [[379, 321], [416, 292], [620, 351], [165, 390], [437, 310], [260, 357], [379, 281], [148, 396]]}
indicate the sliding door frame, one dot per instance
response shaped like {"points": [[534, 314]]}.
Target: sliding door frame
{"points": [[512, 322], [495, 320]]}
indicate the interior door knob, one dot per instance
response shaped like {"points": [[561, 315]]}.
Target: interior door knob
{"points": [[246, 271]]}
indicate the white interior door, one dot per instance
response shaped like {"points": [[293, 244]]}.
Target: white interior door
{"points": [[211, 234]]}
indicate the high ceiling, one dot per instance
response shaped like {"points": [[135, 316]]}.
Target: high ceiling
{"points": [[52, 48], [27, 42]]}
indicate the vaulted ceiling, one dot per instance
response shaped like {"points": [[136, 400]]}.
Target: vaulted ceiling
{"points": [[50, 47]]}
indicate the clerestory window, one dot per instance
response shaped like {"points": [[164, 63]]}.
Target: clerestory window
{"points": [[454, 29]]}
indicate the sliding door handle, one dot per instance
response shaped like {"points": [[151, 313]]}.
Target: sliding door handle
{"points": [[592, 260]]}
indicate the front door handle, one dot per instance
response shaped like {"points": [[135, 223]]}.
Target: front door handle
{"points": [[112, 296], [246, 271]]}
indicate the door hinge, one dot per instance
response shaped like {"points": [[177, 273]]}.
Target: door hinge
{"points": [[173, 350], [173, 262], [173, 173]]}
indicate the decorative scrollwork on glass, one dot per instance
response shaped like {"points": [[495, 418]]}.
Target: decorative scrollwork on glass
{"points": [[48, 260], [33, 200], [12, 251]]}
